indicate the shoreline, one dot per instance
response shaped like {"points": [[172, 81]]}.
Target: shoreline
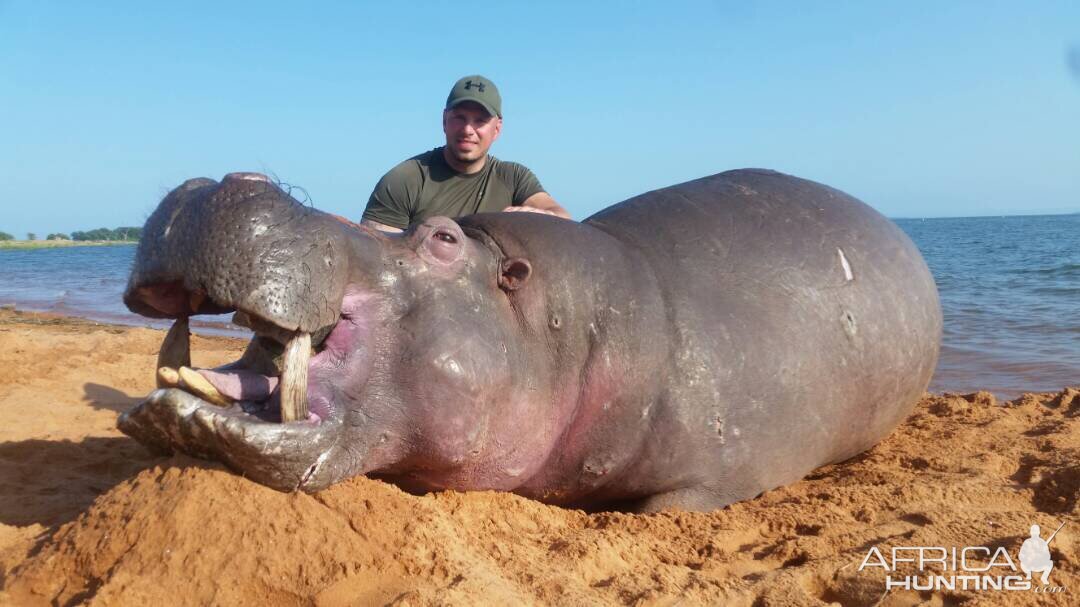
{"points": [[12, 315], [225, 328], [202, 328], [61, 244]]}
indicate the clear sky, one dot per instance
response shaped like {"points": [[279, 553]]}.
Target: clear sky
{"points": [[919, 108]]}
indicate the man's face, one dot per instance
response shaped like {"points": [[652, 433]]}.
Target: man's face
{"points": [[470, 131]]}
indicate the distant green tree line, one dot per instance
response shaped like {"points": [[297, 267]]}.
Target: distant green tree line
{"points": [[119, 234], [107, 234]]}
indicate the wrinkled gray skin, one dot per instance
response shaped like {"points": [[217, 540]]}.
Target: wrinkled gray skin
{"points": [[689, 347]]}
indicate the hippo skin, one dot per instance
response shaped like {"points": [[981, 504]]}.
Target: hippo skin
{"points": [[689, 347]]}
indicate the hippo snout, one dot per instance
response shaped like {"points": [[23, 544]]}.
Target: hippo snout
{"points": [[241, 244], [244, 245]]}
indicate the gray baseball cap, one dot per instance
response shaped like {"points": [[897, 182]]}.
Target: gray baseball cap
{"points": [[477, 89]]}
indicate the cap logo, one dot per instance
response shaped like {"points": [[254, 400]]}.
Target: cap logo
{"points": [[479, 85]]}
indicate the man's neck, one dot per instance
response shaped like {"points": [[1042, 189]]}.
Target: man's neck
{"points": [[462, 167]]}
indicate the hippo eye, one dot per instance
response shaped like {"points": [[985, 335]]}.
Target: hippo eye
{"points": [[442, 246]]}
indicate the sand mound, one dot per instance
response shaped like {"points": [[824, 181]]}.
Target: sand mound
{"points": [[963, 471]]}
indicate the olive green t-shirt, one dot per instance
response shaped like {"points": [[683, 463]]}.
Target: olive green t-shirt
{"points": [[426, 186]]}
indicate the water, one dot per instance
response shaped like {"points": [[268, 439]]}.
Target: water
{"points": [[1010, 291], [84, 281]]}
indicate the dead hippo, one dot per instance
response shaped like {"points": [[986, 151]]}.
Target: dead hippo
{"points": [[689, 347]]}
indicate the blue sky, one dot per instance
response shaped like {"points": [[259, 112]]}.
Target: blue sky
{"points": [[918, 108]]}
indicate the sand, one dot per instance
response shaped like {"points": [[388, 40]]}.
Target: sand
{"points": [[88, 516]]}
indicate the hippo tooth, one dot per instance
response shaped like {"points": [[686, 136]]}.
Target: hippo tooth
{"points": [[175, 351], [199, 386], [167, 377], [294, 378]]}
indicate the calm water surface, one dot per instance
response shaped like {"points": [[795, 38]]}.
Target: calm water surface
{"points": [[1010, 291], [84, 281]]}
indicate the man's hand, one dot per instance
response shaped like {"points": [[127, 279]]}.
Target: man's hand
{"points": [[540, 202]]}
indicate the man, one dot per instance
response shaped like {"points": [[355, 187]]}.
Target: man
{"points": [[459, 178]]}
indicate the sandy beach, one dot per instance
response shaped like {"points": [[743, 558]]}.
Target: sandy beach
{"points": [[87, 515]]}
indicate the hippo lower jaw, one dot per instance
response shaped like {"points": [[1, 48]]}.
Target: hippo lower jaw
{"points": [[286, 457], [230, 413]]}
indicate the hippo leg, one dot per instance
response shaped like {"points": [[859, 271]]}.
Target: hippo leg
{"points": [[699, 498]]}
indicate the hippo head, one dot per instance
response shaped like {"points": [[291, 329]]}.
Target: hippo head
{"points": [[401, 355]]}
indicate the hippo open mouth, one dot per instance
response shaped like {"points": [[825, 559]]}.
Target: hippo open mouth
{"points": [[270, 381], [277, 398]]}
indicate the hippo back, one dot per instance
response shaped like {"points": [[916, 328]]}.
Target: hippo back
{"points": [[806, 324]]}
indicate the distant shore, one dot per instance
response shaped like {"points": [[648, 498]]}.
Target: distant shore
{"points": [[53, 244]]}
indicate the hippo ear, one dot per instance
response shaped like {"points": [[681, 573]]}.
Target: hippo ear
{"points": [[515, 272]]}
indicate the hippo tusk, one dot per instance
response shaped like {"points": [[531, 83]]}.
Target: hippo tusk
{"points": [[201, 387], [175, 351], [167, 377], [294, 371]]}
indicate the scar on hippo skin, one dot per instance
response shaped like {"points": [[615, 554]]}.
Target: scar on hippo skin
{"points": [[850, 328], [638, 370], [848, 275]]}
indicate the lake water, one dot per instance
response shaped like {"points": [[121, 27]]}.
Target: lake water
{"points": [[1010, 291], [84, 281]]}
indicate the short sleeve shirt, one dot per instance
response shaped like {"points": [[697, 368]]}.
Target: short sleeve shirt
{"points": [[426, 186]]}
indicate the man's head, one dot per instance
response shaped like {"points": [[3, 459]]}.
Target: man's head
{"points": [[472, 119]]}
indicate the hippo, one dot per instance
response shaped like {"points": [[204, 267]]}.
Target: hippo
{"points": [[686, 348]]}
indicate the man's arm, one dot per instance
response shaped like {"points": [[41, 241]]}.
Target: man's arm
{"points": [[541, 202], [390, 207], [380, 226], [529, 195], [366, 222]]}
